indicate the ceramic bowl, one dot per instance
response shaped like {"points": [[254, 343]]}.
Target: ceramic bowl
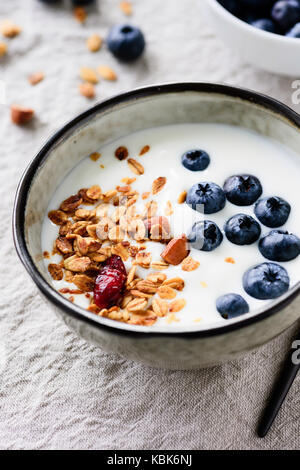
{"points": [[268, 51], [117, 117]]}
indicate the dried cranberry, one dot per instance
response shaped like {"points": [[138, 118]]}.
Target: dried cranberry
{"points": [[115, 262], [110, 283]]}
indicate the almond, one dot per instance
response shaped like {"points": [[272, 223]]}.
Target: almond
{"points": [[36, 78], [87, 89], [94, 43], [107, 73], [21, 115], [175, 251], [88, 75], [158, 184], [135, 166], [182, 197]]}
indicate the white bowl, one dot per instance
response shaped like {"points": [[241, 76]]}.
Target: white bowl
{"points": [[268, 51]]}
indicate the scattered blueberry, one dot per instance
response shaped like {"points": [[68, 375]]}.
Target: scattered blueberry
{"points": [[286, 13], [205, 235], [294, 32], [265, 24], [266, 281], [272, 211], [231, 306], [279, 246], [242, 229], [207, 195], [242, 190], [82, 3], [126, 42], [195, 160]]}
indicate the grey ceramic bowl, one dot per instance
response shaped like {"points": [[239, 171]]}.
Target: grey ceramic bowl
{"points": [[111, 119]]}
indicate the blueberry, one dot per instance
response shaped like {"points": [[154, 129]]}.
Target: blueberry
{"points": [[205, 236], [242, 190], [272, 211], [294, 32], [242, 229], [126, 42], [209, 195], [265, 24], [82, 3], [195, 160], [231, 306], [286, 13], [230, 5], [279, 246], [266, 281]]}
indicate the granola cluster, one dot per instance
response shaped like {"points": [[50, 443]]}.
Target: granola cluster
{"points": [[94, 225]]}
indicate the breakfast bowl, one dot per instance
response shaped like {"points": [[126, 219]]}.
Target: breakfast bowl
{"points": [[186, 345], [265, 50]]}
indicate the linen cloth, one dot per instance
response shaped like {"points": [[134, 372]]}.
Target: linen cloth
{"points": [[56, 390]]}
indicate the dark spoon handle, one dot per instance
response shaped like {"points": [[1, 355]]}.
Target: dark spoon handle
{"points": [[282, 386]]}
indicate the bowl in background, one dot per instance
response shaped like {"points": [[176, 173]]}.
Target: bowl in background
{"points": [[158, 105], [268, 51]]}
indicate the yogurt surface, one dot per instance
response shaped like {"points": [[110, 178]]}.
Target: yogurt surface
{"points": [[232, 151]]}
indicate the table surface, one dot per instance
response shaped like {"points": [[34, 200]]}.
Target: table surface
{"points": [[56, 391]]}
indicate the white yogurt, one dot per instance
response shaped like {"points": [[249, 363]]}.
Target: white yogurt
{"points": [[232, 151]]}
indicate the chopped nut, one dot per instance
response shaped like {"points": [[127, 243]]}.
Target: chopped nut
{"points": [[175, 282], [57, 217], [94, 43], [158, 184], [64, 245], [71, 203], [160, 307], [143, 259], [229, 260], [189, 264], [182, 197], [166, 292], [94, 192], [87, 89], [3, 49], [161, 265], [77, 264], [65, 228], [88, 75], [20, 115], [9, 29], [121, 153], [107, 73], [144, 150], [177, 305], [80, 14], [95, 156], [175, 251], [135, 166], [83, 282], [86, 244], [36, 78], [55, 271], [126, 7], [137, 304]]}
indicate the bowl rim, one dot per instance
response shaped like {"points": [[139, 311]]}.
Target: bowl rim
{"points": [[18, 218], [218, 8]]}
